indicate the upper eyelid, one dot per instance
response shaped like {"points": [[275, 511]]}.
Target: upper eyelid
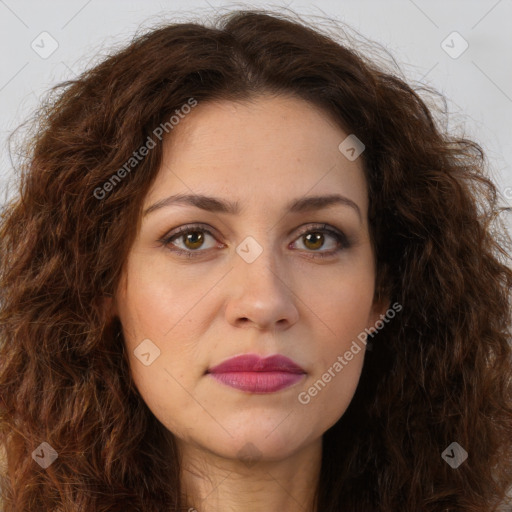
{"points": [[303, 229], [181, 230], [203, 227]]}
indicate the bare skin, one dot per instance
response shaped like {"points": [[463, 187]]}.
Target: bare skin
{"points": [[242, 450]]}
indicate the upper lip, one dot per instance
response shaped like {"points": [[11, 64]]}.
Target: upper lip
{"points": [[255, 363]]}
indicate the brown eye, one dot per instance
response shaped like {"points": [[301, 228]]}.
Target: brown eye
{"points": [[314, 240], [193, 240], [188, 240]]}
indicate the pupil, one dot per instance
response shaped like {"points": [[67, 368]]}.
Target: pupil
{"points": [[318, 237], [190, 238]]}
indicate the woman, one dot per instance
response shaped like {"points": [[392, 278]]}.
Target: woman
{"points": [[247, 270]]}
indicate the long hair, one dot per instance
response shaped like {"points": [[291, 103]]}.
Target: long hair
{"points": [[440, 373]]}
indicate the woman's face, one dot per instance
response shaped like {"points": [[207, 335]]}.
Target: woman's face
{"points": [[264, 280]]}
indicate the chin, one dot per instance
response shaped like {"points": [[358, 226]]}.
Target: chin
{"points": [[260, 441], [253, 449]]}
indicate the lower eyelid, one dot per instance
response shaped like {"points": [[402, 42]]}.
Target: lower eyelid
{"points": [[178, 236], [340, 238], [339, 244]]}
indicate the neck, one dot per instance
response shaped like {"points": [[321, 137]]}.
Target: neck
{"points": [[211, 483]]}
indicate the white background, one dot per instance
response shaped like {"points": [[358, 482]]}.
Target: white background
{"points": [[477, 84]]}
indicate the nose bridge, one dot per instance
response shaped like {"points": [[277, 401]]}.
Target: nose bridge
{"points": [[258, 261], [261, 290]]}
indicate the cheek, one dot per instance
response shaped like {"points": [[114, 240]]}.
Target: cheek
{"points": [[342, 305], [167, 388], [161, 328], [341, 300], [156, 302]]}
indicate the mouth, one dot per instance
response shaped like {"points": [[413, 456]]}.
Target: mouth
{"points": [[253, 374]]}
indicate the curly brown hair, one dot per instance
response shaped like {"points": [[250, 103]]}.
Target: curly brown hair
{"points": [[439, 373]]}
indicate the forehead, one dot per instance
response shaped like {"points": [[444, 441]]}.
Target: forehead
{"points": [[268, 149]]}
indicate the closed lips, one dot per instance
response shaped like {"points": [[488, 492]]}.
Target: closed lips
{"points": [[250, 373], [254, 363]]}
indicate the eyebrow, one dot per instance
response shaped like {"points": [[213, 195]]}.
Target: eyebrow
{"points": [[214, 204]]}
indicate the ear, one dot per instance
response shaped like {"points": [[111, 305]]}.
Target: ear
{"points": [[380, 307], [381, 297], [108, 306]]}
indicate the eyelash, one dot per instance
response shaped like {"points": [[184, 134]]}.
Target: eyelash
{"points": [[340, 237]]}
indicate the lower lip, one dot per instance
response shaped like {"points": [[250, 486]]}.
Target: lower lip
{"points": [[258, 382]]}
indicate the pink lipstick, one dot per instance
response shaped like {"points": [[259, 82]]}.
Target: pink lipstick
{"points": [[251, 373]]}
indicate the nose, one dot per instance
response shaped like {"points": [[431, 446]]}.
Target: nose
{"points": [[261, 294]]}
